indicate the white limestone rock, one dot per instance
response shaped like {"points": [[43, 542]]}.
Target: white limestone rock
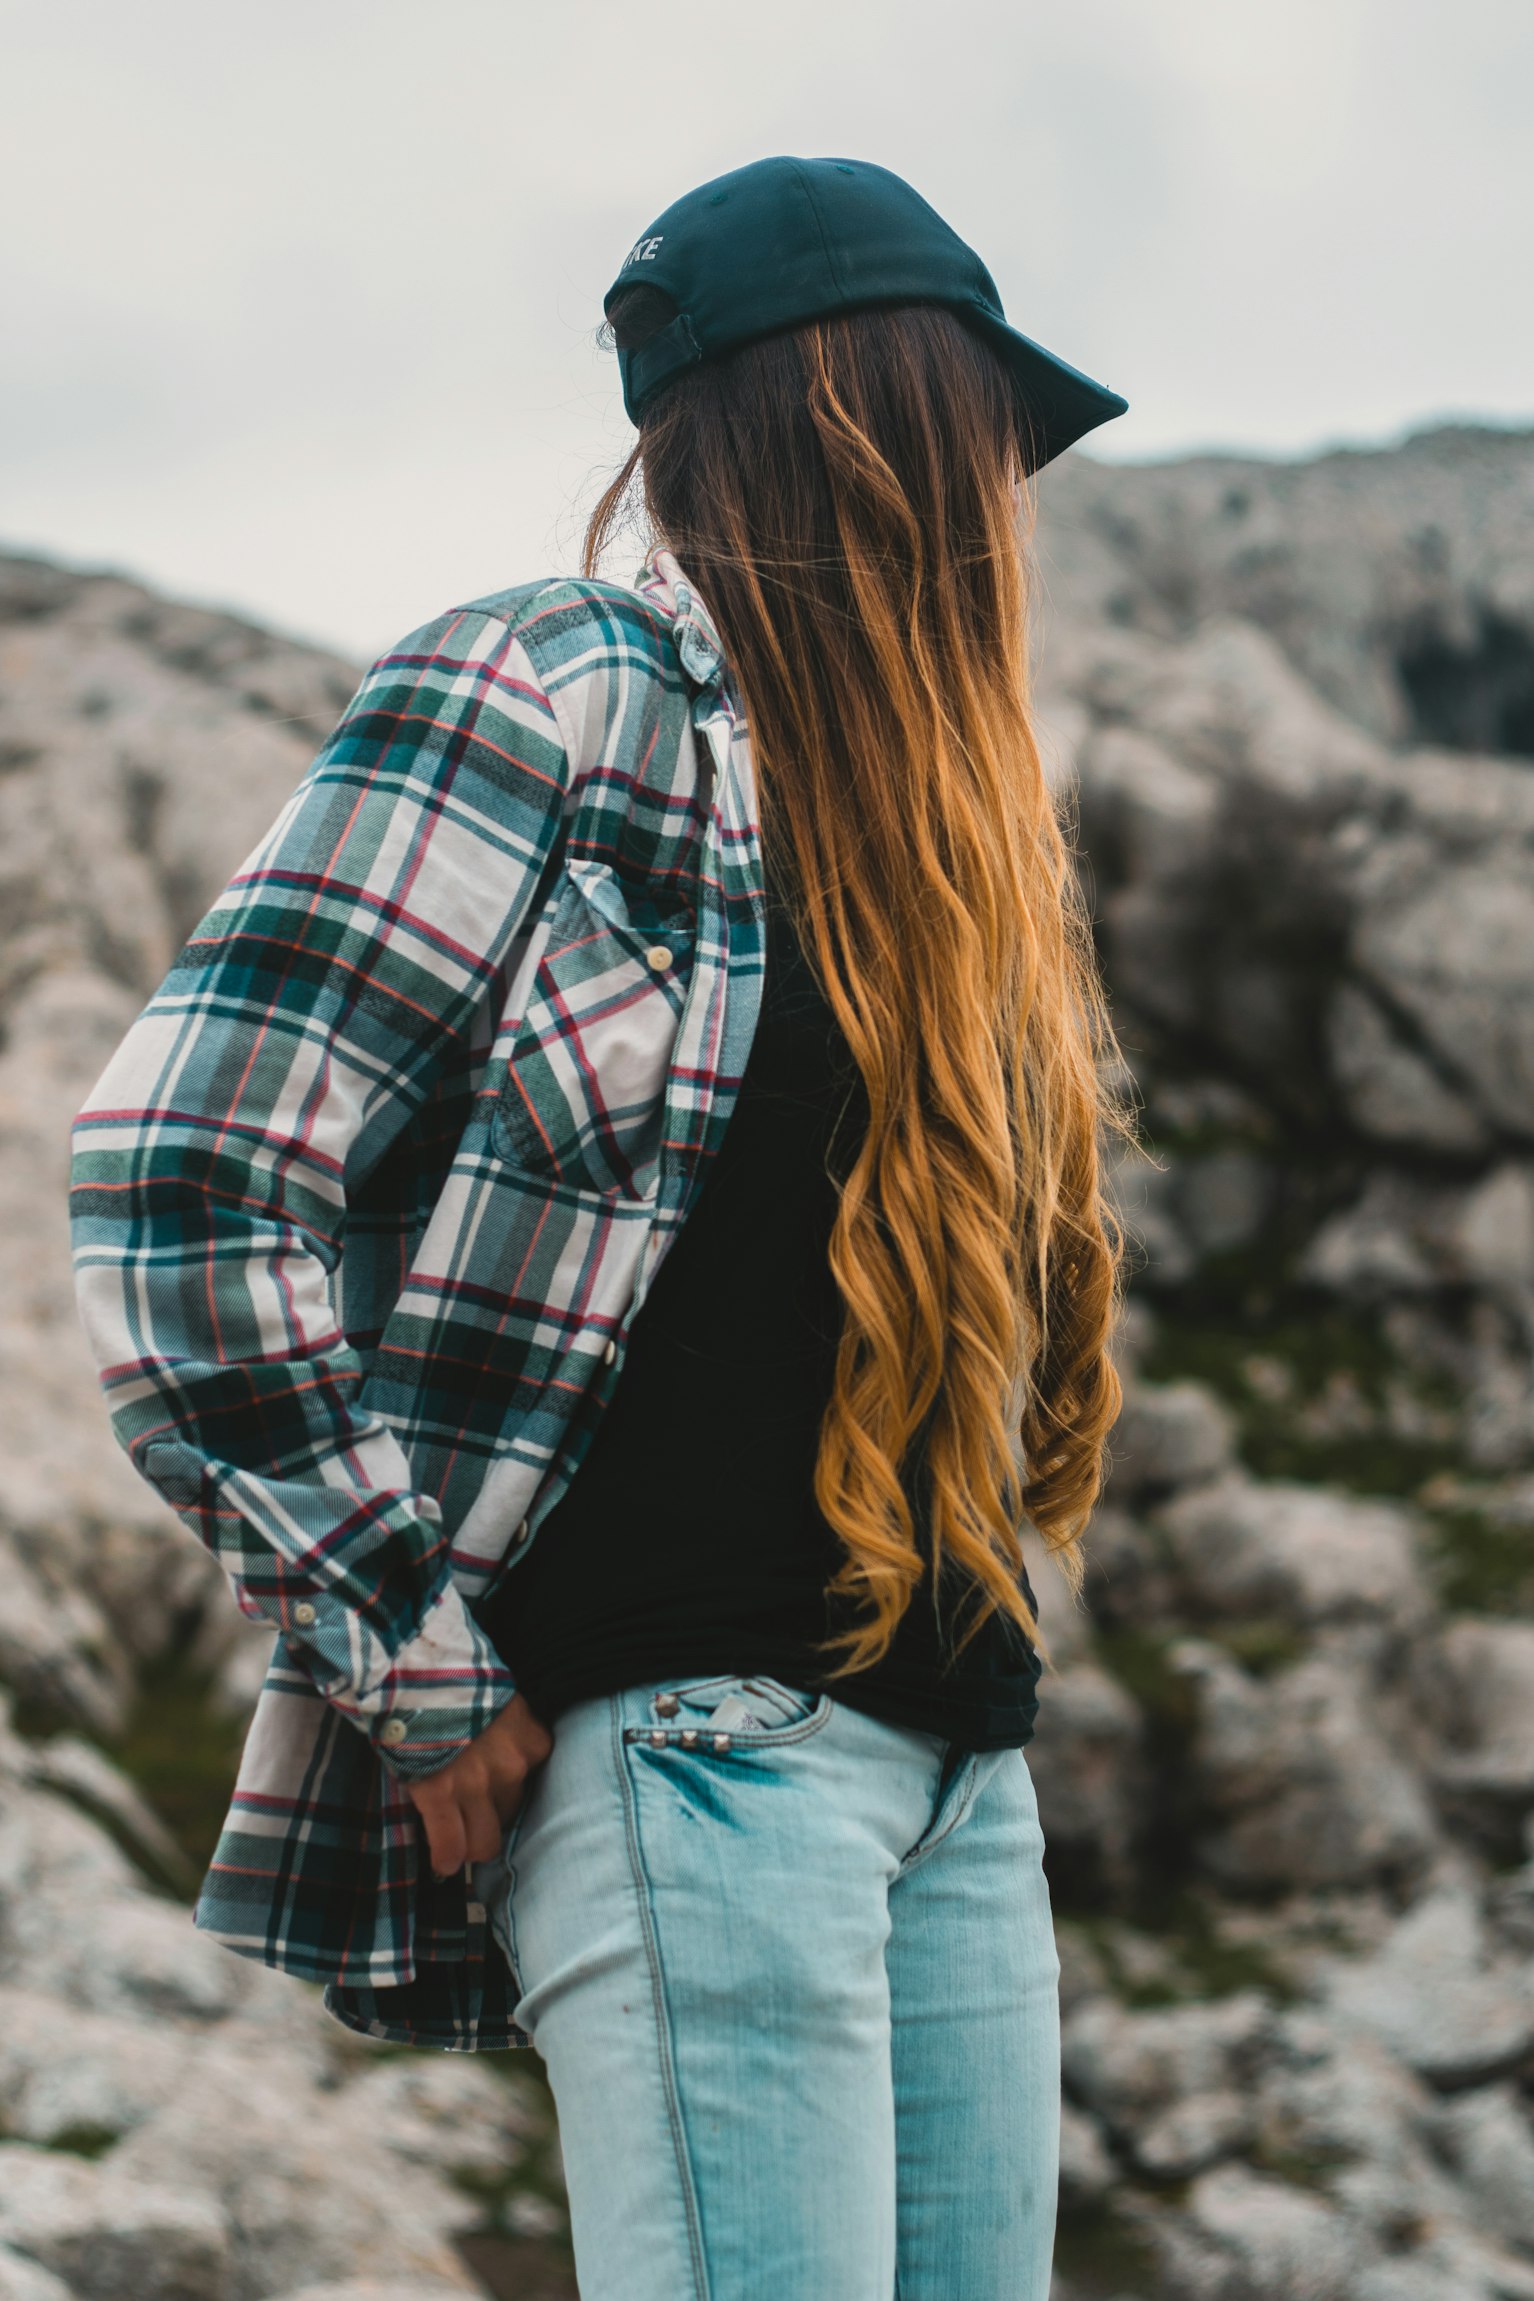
{"points": [[1478, 1685], [111, 2237], [1086, 2169], [1485, 2138], [1174, 2085], [1283, 2243], [1088, 1766], [1456, 955], [1303, 1783], [246, 2130], [64, 2072], [1169, 1435], [442, 2111], [80, 1772], [1343, 2112], [1450, 2257], [23, 2280], [1436, 1996], [1390, 1088], [369, 2289], [1297, 1554]]}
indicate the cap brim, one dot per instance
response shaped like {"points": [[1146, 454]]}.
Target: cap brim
{"points": [[1062, 404]]}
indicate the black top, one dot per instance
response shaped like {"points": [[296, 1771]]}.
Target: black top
{"points": [[688, 1541]]}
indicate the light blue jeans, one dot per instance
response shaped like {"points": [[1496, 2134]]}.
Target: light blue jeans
{"points": [[793, 1976]]}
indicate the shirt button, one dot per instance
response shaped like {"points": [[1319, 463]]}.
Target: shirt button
{"points": [[658, 956], [609, 1354], [521, 1533], [303, 1613], [395, 1730]]}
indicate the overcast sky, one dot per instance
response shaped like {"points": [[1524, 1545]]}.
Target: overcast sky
{"points": [[298, 299]]}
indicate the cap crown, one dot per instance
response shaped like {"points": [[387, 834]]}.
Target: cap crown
{"points": [[783, 241]]}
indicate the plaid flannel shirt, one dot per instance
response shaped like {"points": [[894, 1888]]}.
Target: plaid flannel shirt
{"points": [[367, 1199]]}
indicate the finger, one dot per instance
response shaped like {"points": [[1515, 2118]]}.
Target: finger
{"points": [[445, 1837], [506, 1791], [523, 1730], [485, 1831], [530, 1741]]}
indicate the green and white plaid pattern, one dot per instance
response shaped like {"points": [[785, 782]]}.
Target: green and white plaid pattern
{"points": [[367, 1199]]}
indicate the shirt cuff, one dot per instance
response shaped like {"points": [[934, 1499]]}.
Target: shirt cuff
{"points": [[439, 1692]]}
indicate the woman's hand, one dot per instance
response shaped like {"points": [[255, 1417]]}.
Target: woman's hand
{"points": [[468, 1806]]}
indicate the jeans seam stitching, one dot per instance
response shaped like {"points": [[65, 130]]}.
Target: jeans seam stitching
{"points": [[509, 1945], [927, 1845], [669, 2085]]}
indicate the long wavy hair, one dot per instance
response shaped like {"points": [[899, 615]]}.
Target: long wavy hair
{"points": [[847, 498]]}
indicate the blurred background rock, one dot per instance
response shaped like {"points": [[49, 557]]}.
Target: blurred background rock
{"points": [[1286, 1752]]}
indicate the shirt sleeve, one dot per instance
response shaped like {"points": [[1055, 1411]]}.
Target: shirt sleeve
{"points": [[300, 1029]]}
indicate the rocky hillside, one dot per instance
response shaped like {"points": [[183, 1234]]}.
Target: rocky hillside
{"points": [[177, 2124], [1288, 1760], [1287, 1753]]}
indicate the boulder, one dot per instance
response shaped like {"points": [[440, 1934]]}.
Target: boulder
{"points": [[1436, 1996], [1169, 1435], [110, 2237], [1342, 2112], [1486, 2140], [1282, 2243], [1383, 1246], [80, 1772], [1129, 1580], [23, 2280], [1296, 1554], [1087, 1763], [120, 1949], [1389, 1088], [1478, 1680], [1448, 2258], [1403, 1235], [1298, 1782], [1358, 562], [66, 2074], [55, 1649], [457, 2118], [249, 2132], [1174, 2085], [1086, 2169], [1455, 957]]}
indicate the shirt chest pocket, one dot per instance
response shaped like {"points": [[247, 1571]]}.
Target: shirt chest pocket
{"points": [[584, 1094]]}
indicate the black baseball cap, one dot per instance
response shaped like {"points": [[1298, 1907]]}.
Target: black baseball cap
{"points": [[784, 241]]}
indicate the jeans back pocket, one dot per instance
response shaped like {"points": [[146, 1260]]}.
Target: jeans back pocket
{"points": [[745, 1712]]}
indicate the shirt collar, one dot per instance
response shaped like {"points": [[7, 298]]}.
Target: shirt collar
{"points": [[697, 640]]}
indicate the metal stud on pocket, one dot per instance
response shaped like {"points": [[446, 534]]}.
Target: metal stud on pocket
{"points": [[667, 1705], [722, 1745]]}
